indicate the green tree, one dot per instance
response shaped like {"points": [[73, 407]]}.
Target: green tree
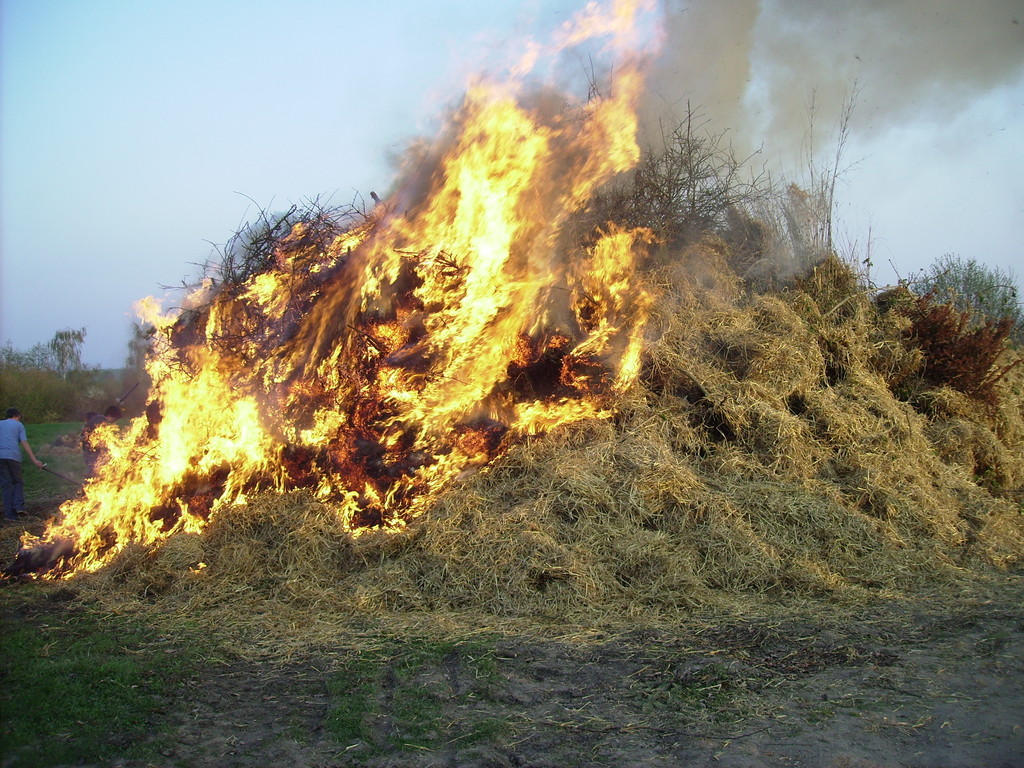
{"points": [[135, 377], [139, 347], [29, 381], [39, 356], [66, 347]]}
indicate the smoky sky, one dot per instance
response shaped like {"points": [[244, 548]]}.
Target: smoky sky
{"points": [[752, 67]]}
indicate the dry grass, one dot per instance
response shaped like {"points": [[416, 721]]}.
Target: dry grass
{"points": [[762, 457]]}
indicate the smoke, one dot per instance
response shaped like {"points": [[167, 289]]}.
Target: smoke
{"points": [[752, 66], [705, 62]]}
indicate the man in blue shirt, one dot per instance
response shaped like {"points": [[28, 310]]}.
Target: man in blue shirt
{"points": [[12, 440]]}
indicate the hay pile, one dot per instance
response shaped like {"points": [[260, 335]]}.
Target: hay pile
{"points": [[762, 454]]}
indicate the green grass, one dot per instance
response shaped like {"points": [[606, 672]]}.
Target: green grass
{"points": [[390, 698], [80, 687], [41, 487], [85, 688]]}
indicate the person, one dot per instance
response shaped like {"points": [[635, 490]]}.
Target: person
{"points": [[12, 439], [92, 447]]}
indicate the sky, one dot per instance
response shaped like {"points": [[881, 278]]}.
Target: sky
{"points": [[134, 137]]}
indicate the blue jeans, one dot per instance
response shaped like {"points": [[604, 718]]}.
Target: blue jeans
{"points": [[12, 486]]}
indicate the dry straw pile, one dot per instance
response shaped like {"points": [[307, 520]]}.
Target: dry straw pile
{"points": [[762, 455]]}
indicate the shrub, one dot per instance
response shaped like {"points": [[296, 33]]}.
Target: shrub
{"points": [[41, 395], [960, 350], [35, 383], [684, 190], [981, 291]]}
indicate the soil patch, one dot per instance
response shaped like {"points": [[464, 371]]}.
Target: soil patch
{"points": [[910, 685]]}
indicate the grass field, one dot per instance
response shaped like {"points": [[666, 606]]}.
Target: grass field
{"points": [[56, 445], [81, 686], [86, 687]]}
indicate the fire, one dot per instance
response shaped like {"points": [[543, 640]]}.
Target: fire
{"points": [[375, 369]]}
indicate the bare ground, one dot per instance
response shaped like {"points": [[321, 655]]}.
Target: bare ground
{"points": [[918, 684], [902, 685]]}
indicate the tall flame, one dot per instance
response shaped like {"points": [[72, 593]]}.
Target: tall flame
{"points": [[374, 369]]}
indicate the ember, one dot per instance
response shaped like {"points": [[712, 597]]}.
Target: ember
{"points": [[40, 557], [376, 366]]}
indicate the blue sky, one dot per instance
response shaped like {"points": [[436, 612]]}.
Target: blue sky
{"points": [[132, 134]]}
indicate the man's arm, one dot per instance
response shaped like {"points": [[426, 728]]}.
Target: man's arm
{"points": [[28, 450]]}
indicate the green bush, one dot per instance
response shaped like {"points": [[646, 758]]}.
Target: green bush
{"points": [[984, 293], [44, 395], [40, 395]]}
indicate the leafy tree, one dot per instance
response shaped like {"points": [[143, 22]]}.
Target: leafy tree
{"points": [[135, 377], [29, 381], [38, 357], [66, 347], [138, 347], [984, 292]]}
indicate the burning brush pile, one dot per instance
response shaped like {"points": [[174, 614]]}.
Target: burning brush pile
{"points": [[459, 403], [370, 365]]}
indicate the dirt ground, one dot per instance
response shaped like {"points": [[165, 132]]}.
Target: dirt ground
{"points": [[894, 686], [920, 684]]}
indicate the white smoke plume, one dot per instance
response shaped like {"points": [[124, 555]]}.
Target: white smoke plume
{"points": [[752, 66]]}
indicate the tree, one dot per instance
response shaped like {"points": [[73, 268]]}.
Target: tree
{"points": [[139, 347], [135, 376], [818, 202], [66, 346], [984, 292], [39, 357]]}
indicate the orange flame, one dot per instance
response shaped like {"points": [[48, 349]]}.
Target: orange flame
{"points": [[374, 370]]}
